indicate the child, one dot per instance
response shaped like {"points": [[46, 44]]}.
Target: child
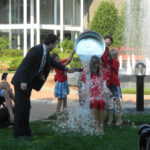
{"points": [[113, 84], [62, 88], [97, 92]]}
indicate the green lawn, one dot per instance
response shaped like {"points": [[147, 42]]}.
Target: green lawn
{"points": [[115, 138], [133, 91]]}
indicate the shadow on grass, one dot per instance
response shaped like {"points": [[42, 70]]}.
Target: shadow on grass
{"points": [[46, 137]]}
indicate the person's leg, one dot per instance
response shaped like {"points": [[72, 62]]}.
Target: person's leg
{"points": [[110, 117], [12, 96], [95, 111], [64, 104], [110, 109], [59, 103], [64, 115], [102, 105], [101, 120], [8, 101], [148, 144], [22, 112], [119, 113], [96, 114]]}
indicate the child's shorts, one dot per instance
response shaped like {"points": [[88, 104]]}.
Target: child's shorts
{"points": [[98, 104], [115, 90], [61, 89]]}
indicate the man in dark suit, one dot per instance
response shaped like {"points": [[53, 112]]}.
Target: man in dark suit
{"points": [[31, 74]]}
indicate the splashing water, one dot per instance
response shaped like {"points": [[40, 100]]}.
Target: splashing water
{"points": [[81, 119], [137, 31]]}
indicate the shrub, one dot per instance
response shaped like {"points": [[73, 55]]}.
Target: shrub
{"points": [[67, 46], [118, 35], [11, 53], [4, 43], [12, 62], [105, 19], [15, 62]]}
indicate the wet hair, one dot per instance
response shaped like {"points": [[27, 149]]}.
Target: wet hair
{"points": [[4, 76], [94, 60], [50, 38], [54, 55], [109, 37], [114, 53]]}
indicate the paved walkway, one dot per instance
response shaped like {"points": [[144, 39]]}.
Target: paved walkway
{"points": [[44, 102]]}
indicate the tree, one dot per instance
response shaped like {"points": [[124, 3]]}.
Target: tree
{"points": [[118, 35], [105, 19]]}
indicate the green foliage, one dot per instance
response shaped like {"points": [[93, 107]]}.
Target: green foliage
{"points": [[12, 57], [76, 63], [67, 47], [15, 62], [11, 53], [105, 19], [64, 50], [4, 43], [12, 62], [7, 61], [118, 35]]}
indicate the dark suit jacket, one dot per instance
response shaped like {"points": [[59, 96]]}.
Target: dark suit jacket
{"points": [[28, 71]]}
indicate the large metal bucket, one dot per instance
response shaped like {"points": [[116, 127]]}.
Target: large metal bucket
{"points": [[88, 44]]}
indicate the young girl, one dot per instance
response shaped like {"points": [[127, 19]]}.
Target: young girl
{"points": [[61, 88], [97, 92], [113, 84]]}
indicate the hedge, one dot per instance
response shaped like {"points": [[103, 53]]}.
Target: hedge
{"points": [[13, 57], [105, 19]]}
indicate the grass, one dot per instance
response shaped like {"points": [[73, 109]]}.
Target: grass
{"points": [[115, 138], [7, 72], [133, 91]]}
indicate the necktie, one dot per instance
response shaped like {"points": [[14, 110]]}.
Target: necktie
{"points": [[43, 58], [43, 63]]}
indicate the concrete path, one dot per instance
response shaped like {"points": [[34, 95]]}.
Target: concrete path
{"points": [[44, 102], [42, 109]]}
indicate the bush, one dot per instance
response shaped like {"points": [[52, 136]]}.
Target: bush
{"points": [[15, 62], [12, 62], [105, 19], [6, 61], [4, 43], [11, 53], [67, 46], [13, 57], [118, 35]]}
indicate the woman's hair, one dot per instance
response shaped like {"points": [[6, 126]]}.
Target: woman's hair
{"points": [[54, 55], [94, 60]]}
